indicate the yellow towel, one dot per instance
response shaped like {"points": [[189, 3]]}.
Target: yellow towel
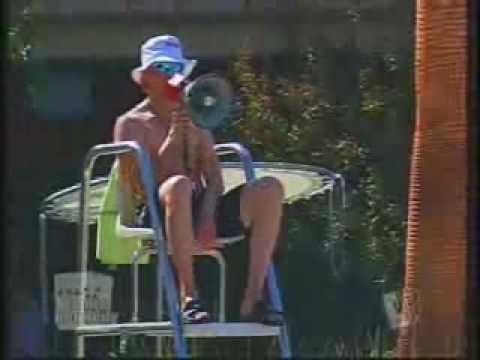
{"points": [[112, 248]]}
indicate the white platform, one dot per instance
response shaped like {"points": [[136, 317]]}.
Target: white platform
{"points": [[233, 329]]}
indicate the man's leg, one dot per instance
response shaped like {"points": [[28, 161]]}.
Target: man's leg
{"points": [[261, 211], [176, 197]]}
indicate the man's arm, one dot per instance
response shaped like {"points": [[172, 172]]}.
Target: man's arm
{"points": [[170, 154], [212, 173], [206, 232], [126, 129]]}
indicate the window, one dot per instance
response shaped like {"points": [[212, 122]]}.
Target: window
{"points": [[62, 95]]}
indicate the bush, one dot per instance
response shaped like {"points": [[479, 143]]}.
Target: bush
{"points": [[287, 117]]}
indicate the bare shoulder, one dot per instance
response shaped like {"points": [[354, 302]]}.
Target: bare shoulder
{"points": [[131, 123], [134, 116]]}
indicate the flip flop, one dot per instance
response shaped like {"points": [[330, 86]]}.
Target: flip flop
{"points": [[264, 314], [194, 313]]}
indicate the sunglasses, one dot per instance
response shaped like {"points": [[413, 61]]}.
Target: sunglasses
{"points": [[168, 68]]}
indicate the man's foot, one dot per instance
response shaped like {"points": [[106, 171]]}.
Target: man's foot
{"points": [[194, 313], [265, 314]]}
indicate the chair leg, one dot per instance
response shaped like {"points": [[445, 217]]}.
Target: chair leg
{"points": [[135, 259], [80, 347], [222, 267], [159, 347], [159, 340], [275, 299], [135, 285]]}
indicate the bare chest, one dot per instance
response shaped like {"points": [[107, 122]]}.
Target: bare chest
{"points": [[153, 136]]}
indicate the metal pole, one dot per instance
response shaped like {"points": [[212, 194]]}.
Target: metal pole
{"points": [[42, 220], [159, 339], [272, 286], [342, 190], [276, 301], [44, 283], [380, 284], [84, 243], [163, 267], [137, 255], [164, 270], [83, 231], [330, 202]]}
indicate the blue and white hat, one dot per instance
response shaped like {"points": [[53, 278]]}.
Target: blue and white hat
{"points": [[164, 48]]}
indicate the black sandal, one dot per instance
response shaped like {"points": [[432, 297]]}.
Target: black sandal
{"points": [[194, 313], [264, 314]]}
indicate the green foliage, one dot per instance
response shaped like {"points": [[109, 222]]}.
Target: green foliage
{"points": [[377, 86], [19, 31], [287, 117], [289, 108]]}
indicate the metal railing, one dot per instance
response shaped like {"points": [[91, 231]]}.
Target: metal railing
{"points": [[164, 270]]}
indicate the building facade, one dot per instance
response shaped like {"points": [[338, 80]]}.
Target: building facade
{"points": [[72, 35]]}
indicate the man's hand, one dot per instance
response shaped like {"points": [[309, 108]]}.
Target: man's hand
{"points": [[182, 124], [188, 133]]}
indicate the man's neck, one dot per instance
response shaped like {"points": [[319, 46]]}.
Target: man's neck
{"points": [[161, 110]]}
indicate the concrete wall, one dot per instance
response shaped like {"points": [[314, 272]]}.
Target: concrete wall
{"points": [[120, 6], [214, 28]]}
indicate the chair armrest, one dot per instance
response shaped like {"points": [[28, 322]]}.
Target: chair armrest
{"points": [[133, 232], [244, 155]]}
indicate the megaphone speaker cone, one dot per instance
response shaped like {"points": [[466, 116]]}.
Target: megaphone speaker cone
{"points": [[208, 100]]}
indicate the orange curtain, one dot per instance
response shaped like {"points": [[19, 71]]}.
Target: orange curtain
{"points": [[435, 276]]}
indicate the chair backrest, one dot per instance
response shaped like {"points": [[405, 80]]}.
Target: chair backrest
{"points": [[115, 244]]}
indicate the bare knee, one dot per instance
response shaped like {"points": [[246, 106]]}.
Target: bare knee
{"points": [[176, 190], [269, 189], [258, 198]]}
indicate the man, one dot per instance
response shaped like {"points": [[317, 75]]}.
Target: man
{"points": [[190, 184]]}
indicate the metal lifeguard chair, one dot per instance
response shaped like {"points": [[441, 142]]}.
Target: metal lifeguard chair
{"points": [[82, 203]]}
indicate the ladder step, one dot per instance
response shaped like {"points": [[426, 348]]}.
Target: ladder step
{"points": [[164, 328]]}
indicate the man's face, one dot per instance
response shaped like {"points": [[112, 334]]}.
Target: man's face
{"points": [[156, 79]]}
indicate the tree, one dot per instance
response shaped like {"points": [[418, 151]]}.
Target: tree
{"points": [[435, 279]]}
